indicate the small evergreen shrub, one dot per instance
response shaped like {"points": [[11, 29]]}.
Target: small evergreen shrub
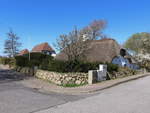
{"points": [[112, 67]]}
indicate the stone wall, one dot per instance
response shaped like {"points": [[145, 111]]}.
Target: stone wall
{"points": [[25, 70], [63, 78]]}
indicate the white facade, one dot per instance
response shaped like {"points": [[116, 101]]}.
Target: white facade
{"points": [[123, 62], [53, 55]]}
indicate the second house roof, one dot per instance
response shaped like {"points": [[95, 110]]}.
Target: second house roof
{"points": [[43, 46]]}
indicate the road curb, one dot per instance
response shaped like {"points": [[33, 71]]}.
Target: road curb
{"points": [[87, 89], [116, 82], [120, 82]]}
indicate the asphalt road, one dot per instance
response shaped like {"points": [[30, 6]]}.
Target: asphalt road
{"points": [[16, 98], [130, 97]]}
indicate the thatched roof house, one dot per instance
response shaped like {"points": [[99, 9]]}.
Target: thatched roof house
{"points": [[23, 52], [103, 50], [43, 48]]}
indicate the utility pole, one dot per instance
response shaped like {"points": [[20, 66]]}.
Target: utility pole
{"points": [[29, 56], [29, 47]]}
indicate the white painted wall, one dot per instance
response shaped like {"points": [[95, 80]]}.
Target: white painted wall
{"points": [[121, 61]]}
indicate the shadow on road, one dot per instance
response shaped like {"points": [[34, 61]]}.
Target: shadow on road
{"points": [[10, 75]]}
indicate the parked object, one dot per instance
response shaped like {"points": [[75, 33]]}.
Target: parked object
{"points": [[102, 72], [97, 75]]}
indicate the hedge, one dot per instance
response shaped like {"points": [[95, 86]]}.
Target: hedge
{"points": [[47, 62], [36, 59], [76, 66]]}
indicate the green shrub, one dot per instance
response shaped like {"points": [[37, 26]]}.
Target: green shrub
{"points": [[72, 85], [57, 66], [112, 67], [36, 59], [47, 62], [76, 66], [7, 61], [21, 61], [80, 66]]}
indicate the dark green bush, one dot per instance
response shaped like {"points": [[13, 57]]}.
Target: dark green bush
{"points": [[80, 66], [35, 59], [76, 66], [112, 67], [47, 62], [21, 61], [55, 65]]}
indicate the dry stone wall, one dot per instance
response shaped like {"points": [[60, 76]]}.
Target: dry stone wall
{"points": [[25, 70], [63, 78]]}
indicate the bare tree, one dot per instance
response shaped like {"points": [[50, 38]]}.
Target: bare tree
{"points": [[94, 30], [77, 42], [72, 45], [11, 46]]}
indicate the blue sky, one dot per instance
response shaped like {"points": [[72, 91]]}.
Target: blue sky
{"points": [[40, 21]]}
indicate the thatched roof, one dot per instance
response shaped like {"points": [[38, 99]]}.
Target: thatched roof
{"points": [[42, 47], [103, 50], [23, 52]]}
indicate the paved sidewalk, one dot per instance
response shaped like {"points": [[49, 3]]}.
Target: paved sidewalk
{"points": [[4, 67], [49, 87]]}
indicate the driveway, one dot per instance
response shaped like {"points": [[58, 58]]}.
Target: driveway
{"points": [[17, 98]]}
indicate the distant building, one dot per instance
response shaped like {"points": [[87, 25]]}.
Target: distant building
{"points": [[23, 52], [44, 48]]}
